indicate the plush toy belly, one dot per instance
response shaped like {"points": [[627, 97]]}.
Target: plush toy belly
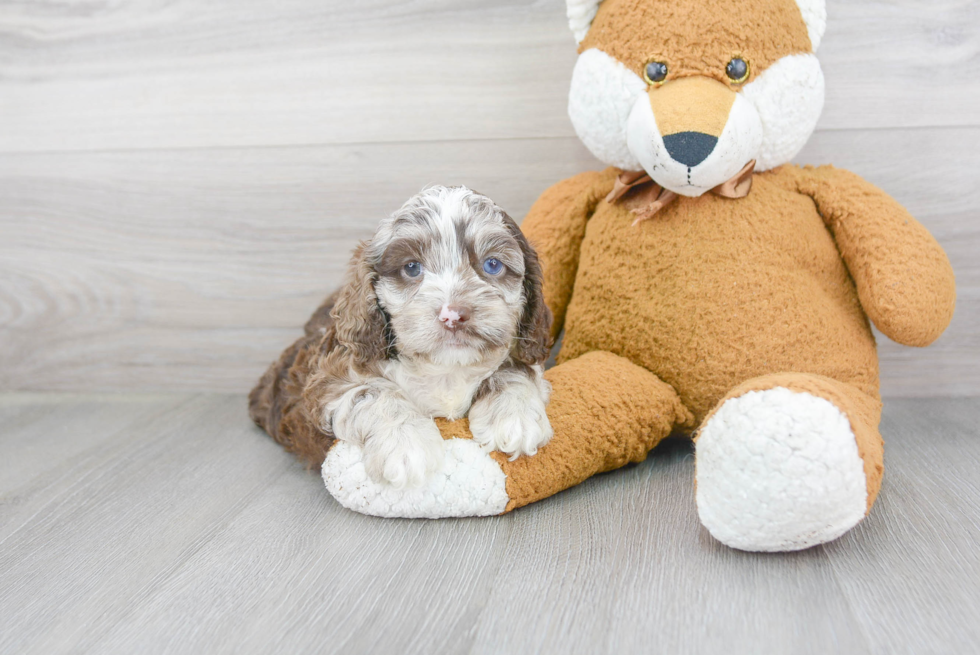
{"points": [[712, 292]]}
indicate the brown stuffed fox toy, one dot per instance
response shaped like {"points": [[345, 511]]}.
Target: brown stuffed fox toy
{"points": [[705, 286]]}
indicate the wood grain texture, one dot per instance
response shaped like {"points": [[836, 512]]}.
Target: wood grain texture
{"points": [[192, 269], [181, 182], [154, 74], [183, 529]]}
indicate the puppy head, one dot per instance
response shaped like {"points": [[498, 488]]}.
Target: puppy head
{"points": [[448, 277]]}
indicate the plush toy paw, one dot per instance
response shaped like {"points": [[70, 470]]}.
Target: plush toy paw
{"points": [[513, 423], [468, 483], [404, 455], [779, 470]]}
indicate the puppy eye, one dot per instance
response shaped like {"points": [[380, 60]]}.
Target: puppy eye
{"points": [[737, 70], [493, 266], [413, 269], [655, 72]]}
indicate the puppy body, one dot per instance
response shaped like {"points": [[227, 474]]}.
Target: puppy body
{"points": [[441, 315]]}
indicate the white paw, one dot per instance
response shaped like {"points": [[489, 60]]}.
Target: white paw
{"points": [[779, 470], [514, 422], [404, 455]]}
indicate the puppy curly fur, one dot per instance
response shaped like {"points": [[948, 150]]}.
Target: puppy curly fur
{"points": [[351, 351]]}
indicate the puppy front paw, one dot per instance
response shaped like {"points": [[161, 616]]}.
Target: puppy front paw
{"points": [[512, 421], [406, 455]]}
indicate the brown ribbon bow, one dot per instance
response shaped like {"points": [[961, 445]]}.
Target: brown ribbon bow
{"points": [[649, 197]]}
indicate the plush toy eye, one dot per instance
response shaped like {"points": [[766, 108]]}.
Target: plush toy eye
{"points": [[737, 70], [413, 269], [655, 72], [493, 266]]}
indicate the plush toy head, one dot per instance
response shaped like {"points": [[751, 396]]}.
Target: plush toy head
{"points": [[691, 91]]}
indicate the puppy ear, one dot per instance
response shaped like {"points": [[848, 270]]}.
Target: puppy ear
{"points": [[360, 324], [534, 331]]}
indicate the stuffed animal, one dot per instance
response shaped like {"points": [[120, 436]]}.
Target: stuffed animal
{"points": [[705, 286]]}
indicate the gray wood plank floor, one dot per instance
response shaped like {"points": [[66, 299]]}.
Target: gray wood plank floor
{"points": [[137, 523]]}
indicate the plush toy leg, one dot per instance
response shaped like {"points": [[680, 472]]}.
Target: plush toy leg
{"points": [[788, 461], [605, 411]]}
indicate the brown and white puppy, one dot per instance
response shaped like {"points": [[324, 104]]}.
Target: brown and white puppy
{"points": [[441, 315]]}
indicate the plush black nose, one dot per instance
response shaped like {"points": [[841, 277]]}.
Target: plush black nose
{"points": [[690, 148]]}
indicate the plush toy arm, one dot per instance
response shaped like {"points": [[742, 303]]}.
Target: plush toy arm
{"points": [[555, 226], [904, 279]]}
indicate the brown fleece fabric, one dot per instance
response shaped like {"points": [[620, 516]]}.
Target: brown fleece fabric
{"points": [[697, 104], [698, 38], [560, 216], [862, 411], [903, 277], [606, 413], [716, 297], [712, 292]]}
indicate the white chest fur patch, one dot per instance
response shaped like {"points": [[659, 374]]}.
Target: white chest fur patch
{"points": [[440, 389], [779, 470], [470, 483]]}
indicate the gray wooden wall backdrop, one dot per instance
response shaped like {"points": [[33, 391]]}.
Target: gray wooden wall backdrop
{"points": [[181, 180]]}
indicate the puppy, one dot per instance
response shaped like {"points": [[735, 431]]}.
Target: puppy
{"points": [[441, 315]]}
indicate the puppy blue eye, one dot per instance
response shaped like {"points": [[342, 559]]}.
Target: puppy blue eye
{"points": [[413, 269], [493, 266]]}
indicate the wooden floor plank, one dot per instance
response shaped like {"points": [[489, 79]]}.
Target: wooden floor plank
{"points": [[202, 536], [622, 565], [45, 439], [299, 574], [124, 518], [911, 573]]}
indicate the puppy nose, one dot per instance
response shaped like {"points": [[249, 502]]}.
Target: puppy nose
{"points": [[690, 148], [451, 316]]}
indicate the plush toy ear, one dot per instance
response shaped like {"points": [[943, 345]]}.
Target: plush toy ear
{"points": [[580, 15], [815, 16], [582, 12]]}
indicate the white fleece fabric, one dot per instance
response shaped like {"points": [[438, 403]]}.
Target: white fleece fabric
{"points": [[470, 483], [779, 470], [788, 97], [602, 94], [580, 14], [815, 16]]}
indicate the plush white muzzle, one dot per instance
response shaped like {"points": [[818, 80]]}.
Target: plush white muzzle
{"points": [[769, 121]]}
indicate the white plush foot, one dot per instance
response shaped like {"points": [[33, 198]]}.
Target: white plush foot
{"points": [[469, 483], [511, 422], [779, 470]]}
